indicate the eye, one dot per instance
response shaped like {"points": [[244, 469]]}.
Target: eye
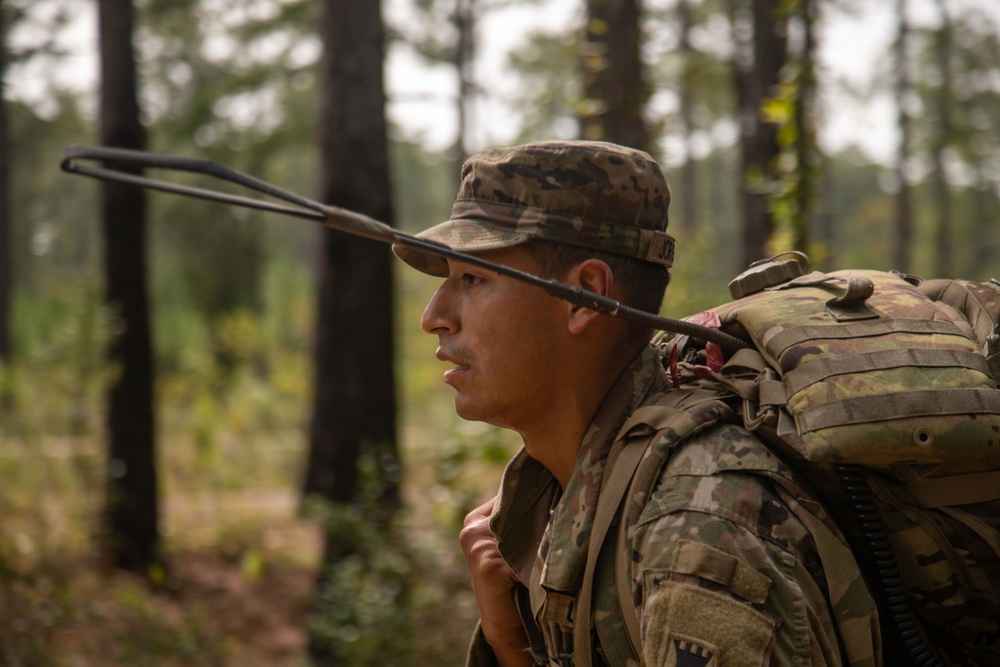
{"points": [[470, 280]]}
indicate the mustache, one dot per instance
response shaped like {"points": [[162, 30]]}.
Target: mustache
{"points": [[454, 353]]}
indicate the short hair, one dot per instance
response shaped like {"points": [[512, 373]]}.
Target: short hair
{"points": [[642, 284]]}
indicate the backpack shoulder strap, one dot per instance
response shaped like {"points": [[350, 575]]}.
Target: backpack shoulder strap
{"points": [[649, 424], [614, 492]]}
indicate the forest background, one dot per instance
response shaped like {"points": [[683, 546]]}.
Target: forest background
{"points": [[259, 547]]}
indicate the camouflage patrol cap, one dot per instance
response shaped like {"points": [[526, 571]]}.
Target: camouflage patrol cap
{"points": [[589, 194]]}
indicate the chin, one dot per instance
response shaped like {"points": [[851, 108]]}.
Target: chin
{"points": [[473, 412], [467, 412]]}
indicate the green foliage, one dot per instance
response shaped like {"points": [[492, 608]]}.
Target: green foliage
{"points": [[423, 184], [362, 614], [56, 383], [234, 309], [549, 101], [37, 610], [54, 218], [703, 72], [389, 577], [700, 277], [144, 635], [364, 587]]}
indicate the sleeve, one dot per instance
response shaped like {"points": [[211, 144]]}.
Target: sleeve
{"points": [[729, 576], [480, 653]]}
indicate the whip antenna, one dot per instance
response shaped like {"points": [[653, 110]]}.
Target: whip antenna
{"points": [[126, 166]]}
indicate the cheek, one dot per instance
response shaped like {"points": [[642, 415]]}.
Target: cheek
{"points": [[532, 346]]}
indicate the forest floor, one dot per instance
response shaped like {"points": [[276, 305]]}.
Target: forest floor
{"points": [[238, 587], [236, 593]]}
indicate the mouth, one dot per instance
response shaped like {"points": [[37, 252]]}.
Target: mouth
{"points": [[452, 376], [459, 368]]}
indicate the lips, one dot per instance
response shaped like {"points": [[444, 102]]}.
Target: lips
{"points": [[451, 377], [461, 367]]}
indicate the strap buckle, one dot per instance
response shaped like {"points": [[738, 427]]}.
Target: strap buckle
{"points": [[765, 409]]}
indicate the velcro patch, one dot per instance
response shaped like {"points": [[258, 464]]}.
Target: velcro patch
{"points": [[686, 653], [685, 625], [724, 569]]}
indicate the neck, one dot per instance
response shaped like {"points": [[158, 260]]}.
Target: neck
{"points": [[555, 441]]}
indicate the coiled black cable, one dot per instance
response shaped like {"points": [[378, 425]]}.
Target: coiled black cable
{"points": [[886, 580]]}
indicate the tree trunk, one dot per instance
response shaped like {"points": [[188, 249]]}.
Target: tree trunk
{"points": [[757, 71], [904, 197], [131, 528], [614, 85], [354, 409], [986, 246], [464, 20], [942, 139], [806, 151], [687, 197], [6, 256]]}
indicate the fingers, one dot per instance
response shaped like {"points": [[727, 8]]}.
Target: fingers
{"points": [[493, 582]]}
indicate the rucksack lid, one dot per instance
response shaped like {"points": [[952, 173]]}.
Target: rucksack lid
{"points": [[870, 370]]}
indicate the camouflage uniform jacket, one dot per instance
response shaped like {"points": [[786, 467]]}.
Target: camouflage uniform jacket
{"points": [[733, 563]]}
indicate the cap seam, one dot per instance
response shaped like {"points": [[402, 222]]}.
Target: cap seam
{"points": [[546, 212]]}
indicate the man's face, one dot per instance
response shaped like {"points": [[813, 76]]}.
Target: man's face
{"points": [[503, 338]]}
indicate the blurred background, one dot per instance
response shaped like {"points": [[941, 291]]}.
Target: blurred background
{"points": [[224, 439]]}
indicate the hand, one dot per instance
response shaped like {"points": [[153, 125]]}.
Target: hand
{"points": [[493, 582]]}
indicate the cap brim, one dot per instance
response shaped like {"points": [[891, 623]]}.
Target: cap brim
{"points": [[463, 235]]}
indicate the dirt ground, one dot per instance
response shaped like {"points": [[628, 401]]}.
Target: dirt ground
{"points": [[262, 620], [235, 592]]}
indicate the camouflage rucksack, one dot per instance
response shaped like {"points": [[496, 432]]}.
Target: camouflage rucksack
{"points": [[882, 389]]}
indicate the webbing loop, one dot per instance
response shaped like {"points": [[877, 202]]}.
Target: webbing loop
{"points": [[919, 403], [796, 335], [821, 368]]}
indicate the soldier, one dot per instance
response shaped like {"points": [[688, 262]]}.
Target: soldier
{"points": [[729, 560]]}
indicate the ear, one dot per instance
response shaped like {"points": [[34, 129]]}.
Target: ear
{"points": [[595, 276]]}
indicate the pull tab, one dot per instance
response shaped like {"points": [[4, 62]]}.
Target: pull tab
{"points": [[851, 304], [770, 272]]}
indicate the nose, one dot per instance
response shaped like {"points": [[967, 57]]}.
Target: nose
{"points": [[439, 317]]}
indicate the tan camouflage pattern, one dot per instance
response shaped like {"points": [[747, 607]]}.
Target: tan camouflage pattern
{"points": [[589, 194], [787, 589], [976, 303], [948, 556], [949, 562], [725, 489], [927, 437]]}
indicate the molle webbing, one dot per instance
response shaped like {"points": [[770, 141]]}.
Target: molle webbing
{"points": [[908, 397], [776, 345], [911, 383], [817, 370], [975, 487], [916, 403]]}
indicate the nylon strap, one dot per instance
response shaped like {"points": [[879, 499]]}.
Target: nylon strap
{"points": [[796, 335], [607, 508], [994, 363], [747, 358], [656, 418], [558, 608], [980, 527], [623, 585], [919, 403], [742, 372], [821, 368], [976, 487]]}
